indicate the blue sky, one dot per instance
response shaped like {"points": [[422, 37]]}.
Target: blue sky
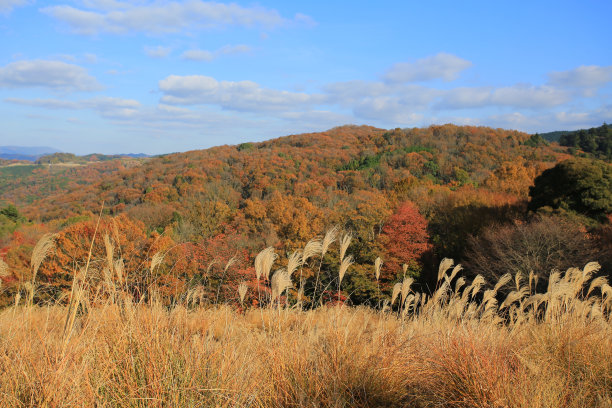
{"points": [[161, 76]]}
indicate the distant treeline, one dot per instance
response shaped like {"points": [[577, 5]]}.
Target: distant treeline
{"points": [[56, 158], [596, 141]]}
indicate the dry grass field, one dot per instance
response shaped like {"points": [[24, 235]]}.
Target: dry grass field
{"points": [[460, 347]]}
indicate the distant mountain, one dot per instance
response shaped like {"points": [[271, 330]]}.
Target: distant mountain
{"points": [[56, 158], [31, 153], [45, 155], [136, 155]]}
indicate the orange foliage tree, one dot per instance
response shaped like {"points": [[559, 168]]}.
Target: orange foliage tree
{"points": [[405, 238]]}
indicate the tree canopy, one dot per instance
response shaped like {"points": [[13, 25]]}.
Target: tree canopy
{"points": [[580, 186], [596, 141]]}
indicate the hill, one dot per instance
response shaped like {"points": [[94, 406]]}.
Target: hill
{"points": [[319, 167], [209, 205], [25, 153], [596, 142], [553, 136], [70, 158]]}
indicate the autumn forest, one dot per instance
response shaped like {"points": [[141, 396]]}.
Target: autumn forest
{"points": [[407, 196], [357, 267]]}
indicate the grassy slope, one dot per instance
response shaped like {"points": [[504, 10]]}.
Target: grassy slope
{"points": [[331, 357]]}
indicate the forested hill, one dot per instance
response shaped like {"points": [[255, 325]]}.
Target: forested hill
{"points": [[322, 167], [594, 141], [219, 202]]}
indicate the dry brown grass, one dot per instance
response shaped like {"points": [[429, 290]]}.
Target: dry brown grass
{"points": [[463, 346], [447, 351]]}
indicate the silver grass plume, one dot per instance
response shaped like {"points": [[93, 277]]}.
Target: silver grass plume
{"points": [[156, 260], [119, 269], [330, 237], [345, 241], [280, 282], [405, 289], [344, 265], [597, 283], [477, 283], [294, 262], [229, 263], [518, 277], [4, 269], [377, 265], [459, 284], [42, 249], [242, 291], [312, 248], [110, 251], [502, 281], [455, 271], [445, 265], [263, 263], [397, 289]]}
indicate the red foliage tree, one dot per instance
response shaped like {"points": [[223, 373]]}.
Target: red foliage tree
{"points": [[404, 237]]}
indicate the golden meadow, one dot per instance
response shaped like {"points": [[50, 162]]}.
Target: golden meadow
{"points": [[468, 344]]}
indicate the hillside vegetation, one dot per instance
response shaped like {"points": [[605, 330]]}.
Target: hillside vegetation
{"points": [[200, 209], [593, 141], [459, 347], [312, 270]]}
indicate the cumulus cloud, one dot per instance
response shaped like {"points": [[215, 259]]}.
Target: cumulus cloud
{"points": [[239, 96], [106, 106], [588, 77], [56, 75], [158, 51], [381, 101], [440, 66], [465, 98], [6, 6], [389, 108], [518, 96], [44, 103], [164, 17], [529, 96], [205, 55], [527, 121], [198, 55]]}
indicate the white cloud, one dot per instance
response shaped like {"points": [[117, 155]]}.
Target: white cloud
{"points": [[518, 96], [6, 6], [205, 55], [304, 19], [56, 75], [158, 51], [381, 101], [440, 66], [91, 58], [81, 21], [318, 117], [44, 103], [529, 96], [198, 55], [548, 121], [163, 17], [388, 108], [234, 49], [465, 97], [239, 96], [108, 107], [111, 107], [589, 77]]}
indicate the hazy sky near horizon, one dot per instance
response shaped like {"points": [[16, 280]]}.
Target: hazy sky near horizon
{"points": [[146, 76]]}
